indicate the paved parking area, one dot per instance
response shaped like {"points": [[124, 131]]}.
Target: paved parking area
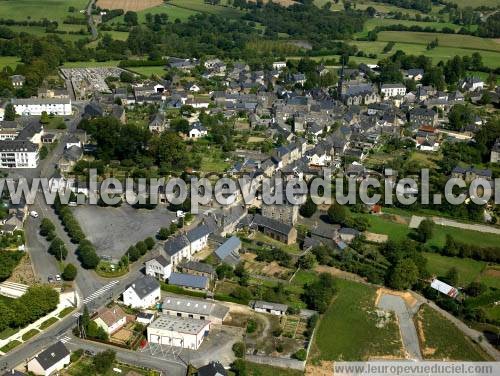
{"points": [[407, 327], [113, 230]]}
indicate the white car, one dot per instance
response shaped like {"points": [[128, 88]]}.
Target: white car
{"points": [[58, 277], [34, 214]]}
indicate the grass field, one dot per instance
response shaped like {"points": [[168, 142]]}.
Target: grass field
{"points": [[90, 64], [9, 61], [372, 23], [148, 71], [475, 3], [55, 10], [348, 329], [440, 339], [468, 269]]}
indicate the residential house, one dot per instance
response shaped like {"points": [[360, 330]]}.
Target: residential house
{"points": [[159, 267], [423, 116], [17, 81], [214, 368], [35, 106], [285, 213], [177, 248], [279, 65], [197, 268], [197, 131], [471, 173], [495, 152], [414, 74], [472, 83], [145, 318], [144, 292], [393, 90], [18, 154], [348, 234], [111, 319], [69, 158], [198, 238], [51, 360], [158, 123]]}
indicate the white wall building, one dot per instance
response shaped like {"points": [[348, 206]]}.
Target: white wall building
{"points": [[393, 90], [2, 113], [178, 331], [18, 154], [51, 360], [159, 268], [279, 65], [144, 292], [35, 107], [271, 308]]}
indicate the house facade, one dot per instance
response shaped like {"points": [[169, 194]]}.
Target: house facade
{"points": [[50, 361], [144, 292], [35, 107], [18, 154]]}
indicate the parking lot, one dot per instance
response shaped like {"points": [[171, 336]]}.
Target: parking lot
{"points": [[113, 230]]}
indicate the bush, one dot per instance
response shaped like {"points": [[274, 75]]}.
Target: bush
{"points": [[300, 355], [163, 234], [251, 326], [58, 249], [141, 247], [239, 349], [150, 243], [46, 227]]}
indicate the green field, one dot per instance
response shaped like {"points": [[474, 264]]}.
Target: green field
{"points": [[148, 71], [202, 7], [372, 23], [443, 340], [475, 3], [9, 61], [468, 269], [348, 329], [54, 10], [90, 64]]}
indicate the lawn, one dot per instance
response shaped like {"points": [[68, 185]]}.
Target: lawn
{"points": [[440, 339], [56, 10], [348, 329], [65, 312], [386, 225], [491, 277], [44, 325], [30, 334], [466, 236], [84, 367], [11, 345], [255, 369], [148, 71], [468, 269], [9, 61]]}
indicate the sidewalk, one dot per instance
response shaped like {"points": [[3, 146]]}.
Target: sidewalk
{"points": [[65, 300]]}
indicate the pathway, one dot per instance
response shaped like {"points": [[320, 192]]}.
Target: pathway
{"points": [[416, 220]]}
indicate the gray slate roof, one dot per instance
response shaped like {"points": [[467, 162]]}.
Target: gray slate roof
{"points": [[272, 224], [268, 305], [228, 248], [188, 280], [212, 369], [145, 285], [198, 266], [52, 355], [175, 244], [198, 233]]}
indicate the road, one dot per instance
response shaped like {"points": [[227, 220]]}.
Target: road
{"points": [[90, 19]]}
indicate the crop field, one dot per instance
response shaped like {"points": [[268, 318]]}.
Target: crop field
{"points": [[134, 5], [56, 10], [202, 7], [348, 330], [441, 340]]}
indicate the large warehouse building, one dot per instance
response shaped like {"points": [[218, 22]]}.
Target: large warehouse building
{"points": [[195, 309], [178, 331]]}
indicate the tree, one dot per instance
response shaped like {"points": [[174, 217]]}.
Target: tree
{"points": [[308, 209], [10, 113], [103, 362], [44, 119], [163, 234], [127, 77], [307, 261], [130, 18], [475, 288], [44, 152], [239, 367], [460, 116], [141, 247], [58, 249], [46, 227], [424, 231], [338, 213], [150, 243], [451, 276], [239, 349], [133, 253], [317, 295], [403, 275], [224, 271], [69, 273]]}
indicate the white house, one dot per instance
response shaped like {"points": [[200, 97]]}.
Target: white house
{"points": [[2, 113], [18, 154], [414, 74], [35, 106], [271, 308], [279, 65], [144, 292], [17, 81], [51, 360], [444, 288], [111, 319], [393, 90], [194, 88], [159, 267], [197, 131], [178, 331], [198, 238]]}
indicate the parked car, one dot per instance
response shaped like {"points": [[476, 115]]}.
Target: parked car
{"points": [[50, 279], [34, 214], [58, 277]]}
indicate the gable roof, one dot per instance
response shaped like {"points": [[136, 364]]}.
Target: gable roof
{"points": [[188, 280], [52, 355], [198, 266], [160, 260], [143, 286], [229, 247], [176, 244], [269, 305], [212, 369], [198, 233], [111, 316], [272, 224]]}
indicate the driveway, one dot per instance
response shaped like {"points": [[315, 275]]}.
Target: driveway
{"points": [[406, 326], [114, 230]]}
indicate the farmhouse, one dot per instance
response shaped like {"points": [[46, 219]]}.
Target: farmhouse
{"points": [[197, 268], [144, 292], [194, 308], [35, 107], [272, 308], [51, 360], [178, 331], [274, 229]]}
